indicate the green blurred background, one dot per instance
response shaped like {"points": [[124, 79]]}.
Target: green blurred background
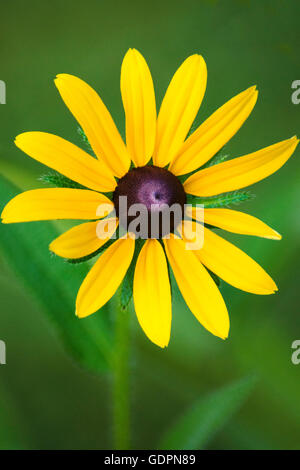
{"points": [[46, 400]]}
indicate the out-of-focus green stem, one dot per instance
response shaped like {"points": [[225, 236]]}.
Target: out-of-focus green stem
{"points": [[121, 392]]}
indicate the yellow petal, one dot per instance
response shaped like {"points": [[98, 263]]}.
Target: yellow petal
{"points": [[214, 133], [139, 105], [236, 222], [192, 233], [179, 108], [240, 172], [233, 265], [67, 159], [152, 293], [83, 239], [56, 203], [197, 287], [94, 118], [105, 277]]}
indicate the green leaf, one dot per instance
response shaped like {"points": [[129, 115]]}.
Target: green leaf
{"points": [[127, 284], [218, 158], [56, 179], [207, 416], [60, 181], [215, 277], [54, 283], [222, 200], [85, 140]]}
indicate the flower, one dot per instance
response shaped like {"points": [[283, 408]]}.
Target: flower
{"points": [[161, 153]]}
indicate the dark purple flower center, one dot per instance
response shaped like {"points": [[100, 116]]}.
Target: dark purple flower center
{"points": [[161, 195]]}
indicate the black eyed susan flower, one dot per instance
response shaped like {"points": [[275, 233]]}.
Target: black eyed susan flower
{"points": [[150, 170]]}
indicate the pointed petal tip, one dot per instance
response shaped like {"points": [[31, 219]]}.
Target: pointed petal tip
{"points": [[252, 88], [3, 214], [83, 311], [79, 313], [26, 137], [132, 51], [62, 75], [224, 334], [276, 236], [201, 60], [59, 77], [271, 290], [272, 235], [51, 248], [22, 138], [198, 56], [19, 138], [161, 344], [197, 59], [129, 51]]}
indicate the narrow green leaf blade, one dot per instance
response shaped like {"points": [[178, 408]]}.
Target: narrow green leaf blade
{"points": [[60, 181], [218, 158], [54, 283], [222, 200], [127, 284], [206, 417]]}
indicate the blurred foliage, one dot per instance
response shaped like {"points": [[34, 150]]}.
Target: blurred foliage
{"points": [[52, 402], [54, 284], [195, 428]]}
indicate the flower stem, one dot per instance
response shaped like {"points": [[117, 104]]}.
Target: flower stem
{"points": [[121, 395]]}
